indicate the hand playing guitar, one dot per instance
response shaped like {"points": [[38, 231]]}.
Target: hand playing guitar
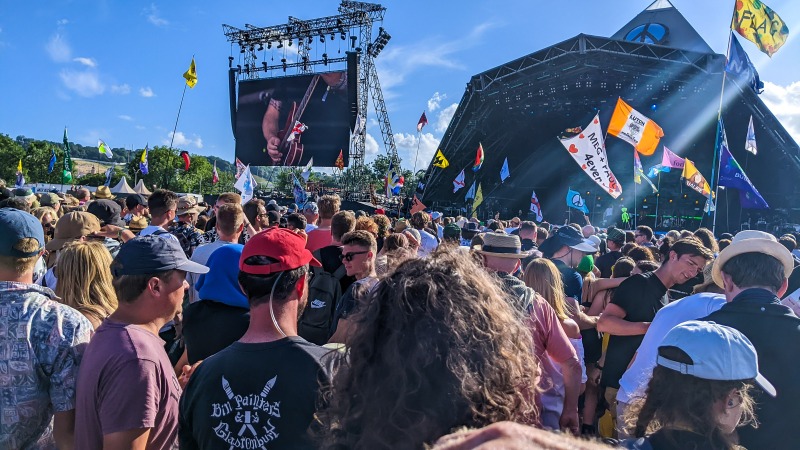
{"points": [[269, 126]]}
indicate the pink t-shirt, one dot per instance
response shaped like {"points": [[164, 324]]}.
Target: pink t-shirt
{"points": [[318, 239], [126, 382]]}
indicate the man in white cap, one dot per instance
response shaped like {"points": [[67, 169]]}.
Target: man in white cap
{"points": [[753, 272], [436, 218]]}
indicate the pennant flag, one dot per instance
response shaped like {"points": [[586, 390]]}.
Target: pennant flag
{"points": [[104, 149], [297, 130], [670, 160], [109, 172], [739, 64], [470, 192], [422, 122], [757, 23], [361, 122], [144, 166], [638, 173], [394, 181], [750, 144], [732, 175], [191, 75], [655, 170], [52, 164], [478, 159], [574, 200], [19, 166], [477, 202], [439, 160], [504, 172], [416, 205], [307, 171], [458, 183], [536, 208], [20, 178], [66, 175], [214, 174], [239, 168], [635, 128], [588, 149], [694, 179], [246, 184], [299, 191], [186, 160], [340, 161]]}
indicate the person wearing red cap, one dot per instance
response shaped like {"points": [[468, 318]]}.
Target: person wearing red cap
{"points": [[261, 392]]}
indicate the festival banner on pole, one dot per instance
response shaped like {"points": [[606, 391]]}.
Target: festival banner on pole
{"points": [[104, 149], [440, 161], [504, 172], [416, 205], [750, 144], [66, 175], [588, 149], [635, 128], [144, 166], [536, 208], [214, 174], [246, 184], [478, 201], [759, 24], [478, 158], [470, 192], [52, 164], [574, 200], [422, 122], [458, 183], [694, 179], [191, 74], [670, 160], [732, 175], [239, 168], [739, 63]]}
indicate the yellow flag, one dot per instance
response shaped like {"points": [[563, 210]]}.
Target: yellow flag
{"points": [[694, 179], [759, 24], [477, 202], [19, 166], [191, 75], [634, 128], [439, 160]]}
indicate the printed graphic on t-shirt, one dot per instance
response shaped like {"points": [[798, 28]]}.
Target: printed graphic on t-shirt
{"points": [[245, 419]]}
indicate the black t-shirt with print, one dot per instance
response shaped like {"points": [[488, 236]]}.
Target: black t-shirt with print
{"points": [[251, 396], [641, 296]]}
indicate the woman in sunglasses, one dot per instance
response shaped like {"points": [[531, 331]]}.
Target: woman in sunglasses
{"points": [[359, 249], [48, 217]]}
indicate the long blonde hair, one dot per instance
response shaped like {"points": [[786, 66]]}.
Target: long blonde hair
{"points": [[84, 278], [543, 276]]}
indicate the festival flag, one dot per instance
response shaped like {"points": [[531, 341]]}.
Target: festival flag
{"points": [[477, 202], [588, 149], [246, 184], [478, 158], [470, 192], [574, 200], [670, 160], [214, 174], [299, 191], [144, 166], [439, 160], [750, 144], [536, 208], [731, 175], [635, 128], [104, 149], [361, 122], [109, 172], [52, 163], [416, 205], [420, 187], [458, 183], [306, 174], [638, 173], [739, 64], [394, 181], [191, 75], [504, 172], [297, 130], [340, 161], [655, 170], [759, 24], [694, 179], [422, 122], [66, 175], [239, 168], [20, 177], [186, 160]]}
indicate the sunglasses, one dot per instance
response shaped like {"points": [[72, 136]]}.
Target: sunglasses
{"points": [[349, 256]]}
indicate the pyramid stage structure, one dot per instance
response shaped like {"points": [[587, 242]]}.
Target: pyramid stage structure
{"points": [[658, 64]]}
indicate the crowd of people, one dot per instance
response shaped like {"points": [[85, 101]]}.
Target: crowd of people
{"points": [[162, 322]]}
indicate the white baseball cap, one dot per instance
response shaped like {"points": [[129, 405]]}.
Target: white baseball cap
{"points": [[718, 352]]}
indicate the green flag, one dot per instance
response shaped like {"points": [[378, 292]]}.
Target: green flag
{"points": [[67, 174]]}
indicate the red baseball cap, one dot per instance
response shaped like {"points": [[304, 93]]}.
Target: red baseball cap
{"points": [[380, 211], [286, 247]]}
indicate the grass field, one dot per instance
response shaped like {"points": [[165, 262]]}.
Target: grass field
{"points": [[81, 167]]}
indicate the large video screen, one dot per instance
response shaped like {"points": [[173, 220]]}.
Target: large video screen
{"points": [[287, 121]]}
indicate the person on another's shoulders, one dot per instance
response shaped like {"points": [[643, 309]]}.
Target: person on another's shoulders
{"points": [[229, 227], [358, 256]]}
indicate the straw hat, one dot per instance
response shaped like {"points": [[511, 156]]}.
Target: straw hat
{"points": [[502, 245], [753, 241], [103, 193]]}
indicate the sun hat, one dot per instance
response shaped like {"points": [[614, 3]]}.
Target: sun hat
{"points": [[717, 352], [107, 211], [502, 245], [753, 241], [572, 238], [138, 223], [103, 192], [595, 239], [152, 254], [16, 225], [71, 226], [616, 235], [286, 247], [49, 199], [25, 194], [188, 205]]}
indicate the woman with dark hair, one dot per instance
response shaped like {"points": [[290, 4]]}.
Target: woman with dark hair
{"points": [[707, 238], [436, 346], [699, 392]]}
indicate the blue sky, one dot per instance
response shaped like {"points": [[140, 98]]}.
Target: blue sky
{"points": [[112, 69]]}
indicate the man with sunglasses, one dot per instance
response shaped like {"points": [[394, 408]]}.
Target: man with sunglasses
{"points": [[359, 249]]}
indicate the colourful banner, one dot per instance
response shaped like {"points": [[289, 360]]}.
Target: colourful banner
{"points": [[588, 149]]}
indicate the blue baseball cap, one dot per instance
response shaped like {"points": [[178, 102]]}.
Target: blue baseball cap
{"points": [[16, 225], [152, 254]]}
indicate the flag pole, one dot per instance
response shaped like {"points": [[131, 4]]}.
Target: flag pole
{"points": [[717, 157], [658, 195], [175, 129]]}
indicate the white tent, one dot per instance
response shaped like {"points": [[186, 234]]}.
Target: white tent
{"points": [[141, 189], [122, 188]]}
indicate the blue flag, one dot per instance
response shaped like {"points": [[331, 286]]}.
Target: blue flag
{"points": [[731, 175], [574, 200], [52, 164], [504, 173], [470, 192], [299, 191], [739, 64], [109, 172]]}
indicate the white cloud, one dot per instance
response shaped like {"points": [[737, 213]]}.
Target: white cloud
{"points": [[435, 101], [407, 149], [153, 16], [146, 92], [122, 89], [58, 48], [445, 115], [370, 146], [125, 117], [182, 141], [784, 102], [62, 22], [88, 62], [140, 127], [84, 83]]}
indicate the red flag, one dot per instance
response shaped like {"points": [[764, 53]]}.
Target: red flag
{"points": [[239, 168], [214, 175], [416, 205], [340, 161], [186, 161], [478, 158], [422, 122]]}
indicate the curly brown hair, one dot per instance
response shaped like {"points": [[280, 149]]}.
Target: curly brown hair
{"points": [[436, 346]]}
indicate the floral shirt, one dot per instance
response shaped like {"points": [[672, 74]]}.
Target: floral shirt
{"points": [[41, 346], [189, 237]]}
